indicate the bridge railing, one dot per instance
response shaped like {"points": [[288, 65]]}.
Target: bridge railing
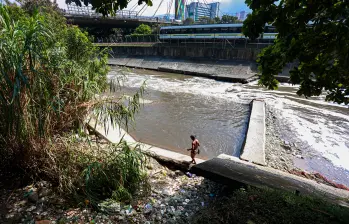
{"points": [[87, 11]]}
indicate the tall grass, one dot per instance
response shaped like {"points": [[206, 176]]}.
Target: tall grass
{"points": [[51, 76], [89, 173]]}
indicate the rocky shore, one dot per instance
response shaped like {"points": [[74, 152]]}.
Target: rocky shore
{"points": [[175, 198], [279, 153]]}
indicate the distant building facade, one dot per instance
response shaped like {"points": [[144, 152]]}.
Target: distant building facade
{"points": [[242, 15], [180, 11], [195, 10]]}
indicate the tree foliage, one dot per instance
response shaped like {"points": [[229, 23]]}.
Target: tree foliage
{"points": [[229, 19], [31, 5], [142, 29], [43, 71], [188, 21], [312, 34], [217, 19], [51, 78], [206, 20], [50, 74], [107, 7]]}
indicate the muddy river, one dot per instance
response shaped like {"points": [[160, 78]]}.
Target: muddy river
{"points": [[177, 106]]}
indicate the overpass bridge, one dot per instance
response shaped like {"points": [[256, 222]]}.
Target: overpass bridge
{"points": [[85, 16]]}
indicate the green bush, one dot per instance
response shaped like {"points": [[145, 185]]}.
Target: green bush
{"points": [[142, 29], [88, 173], [51, 76], [43, 77]]}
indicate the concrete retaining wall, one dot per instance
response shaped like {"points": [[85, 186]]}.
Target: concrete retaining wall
{"points": [[232, 71], [194, 60], [187, 52]]}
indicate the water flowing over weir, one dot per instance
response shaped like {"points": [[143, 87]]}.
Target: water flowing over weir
{"points": [[217, 112], [181, 106]]}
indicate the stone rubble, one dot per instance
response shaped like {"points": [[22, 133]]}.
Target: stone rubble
{"points": [[175, 198], [280, 154]]}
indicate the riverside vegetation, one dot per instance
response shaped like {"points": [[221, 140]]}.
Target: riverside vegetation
{"points": [[51, 78]]}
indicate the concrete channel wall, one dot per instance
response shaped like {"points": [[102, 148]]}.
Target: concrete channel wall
{"points": [[154, 57], [247, 54], [232, 71]]}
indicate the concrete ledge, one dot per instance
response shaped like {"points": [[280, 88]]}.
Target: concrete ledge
{"points": [[120, 61], [176, 159], [114, 134], [254, 150], [231, 168], [110, 133]]}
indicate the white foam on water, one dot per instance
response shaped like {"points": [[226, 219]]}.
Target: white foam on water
{"points": [[312, 126], [322, 129]]}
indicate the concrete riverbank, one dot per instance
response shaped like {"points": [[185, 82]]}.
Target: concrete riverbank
{"points": [[231, 71], [239, 70], [116, 134]]}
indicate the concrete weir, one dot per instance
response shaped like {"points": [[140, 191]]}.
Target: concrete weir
{"points": [[230, 71], [254, 149], [228, 168]]}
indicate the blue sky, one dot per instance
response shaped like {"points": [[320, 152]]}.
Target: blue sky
{"points": [[227, 6]]}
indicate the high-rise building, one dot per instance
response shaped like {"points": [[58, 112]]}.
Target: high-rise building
{"points": [[214, 12], [242, 15], [195, 10], [180, 9]]}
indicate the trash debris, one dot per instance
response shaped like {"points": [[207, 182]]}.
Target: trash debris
{"points": [[188, 174], [148, 208]]}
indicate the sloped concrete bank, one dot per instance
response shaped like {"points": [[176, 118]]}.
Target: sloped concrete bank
{"points": [[221, 70], [115, 134], [223, 64]]}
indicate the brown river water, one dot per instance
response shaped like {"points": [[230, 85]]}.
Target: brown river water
{"points": [[177, 106]]}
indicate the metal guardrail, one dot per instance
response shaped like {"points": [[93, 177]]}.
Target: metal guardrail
{"points": [[87, 11]]}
